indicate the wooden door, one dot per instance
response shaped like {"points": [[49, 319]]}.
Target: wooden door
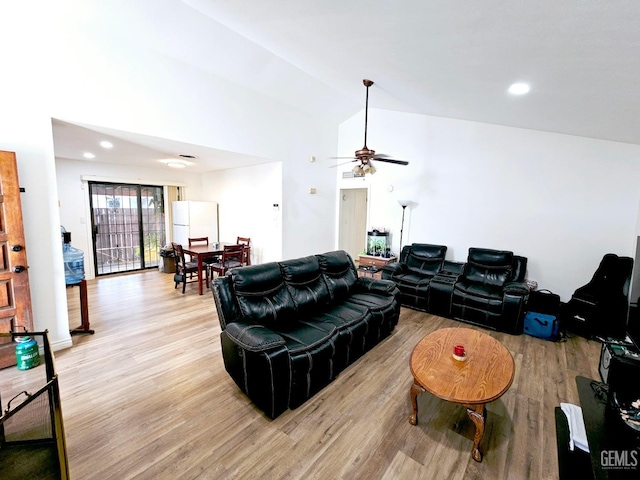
{"points": [[15, 298], [352, 233]]}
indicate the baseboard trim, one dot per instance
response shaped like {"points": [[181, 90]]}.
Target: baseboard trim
{"points": [[61, 344]]}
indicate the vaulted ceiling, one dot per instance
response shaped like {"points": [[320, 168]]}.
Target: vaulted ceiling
{"points": [[445, 58], [457, 59]]}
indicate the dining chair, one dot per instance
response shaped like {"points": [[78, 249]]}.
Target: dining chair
{"points": [[183, 268], [205, 261], [194, 240], [246, 241], [198, 241], [232, 257]]}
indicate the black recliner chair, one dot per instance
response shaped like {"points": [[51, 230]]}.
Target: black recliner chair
{"points": [[419, 263], [491, 291], [601, 306]]}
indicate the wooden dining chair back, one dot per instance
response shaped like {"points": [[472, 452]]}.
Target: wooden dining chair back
{"points": [[184, 269], [246, 241], [199, 241], [232, 257], [194, 240]]}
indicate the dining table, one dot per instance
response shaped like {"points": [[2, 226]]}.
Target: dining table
{"points": [[199, 252]]}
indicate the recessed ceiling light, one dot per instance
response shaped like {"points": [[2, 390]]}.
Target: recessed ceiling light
{"points": [[176, 164], [519, 88], [106, 144], [88, 155]]}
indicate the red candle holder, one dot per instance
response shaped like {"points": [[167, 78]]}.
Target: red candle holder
{"points": [[459, 352]]}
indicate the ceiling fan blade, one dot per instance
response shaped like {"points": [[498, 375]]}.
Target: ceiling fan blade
{"points": [[380, 155], [343, 163], [391, 160]]}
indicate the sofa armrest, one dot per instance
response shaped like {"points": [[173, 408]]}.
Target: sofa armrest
{"points": [[451, 267], [369, 284], [258, 361], [253, 337], [515, 288], [391, 269]]}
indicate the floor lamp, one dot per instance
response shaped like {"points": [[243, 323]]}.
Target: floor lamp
{"points": [[403, 204]]}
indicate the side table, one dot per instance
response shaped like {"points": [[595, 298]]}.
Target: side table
{"points": [[84, 309], [372, 264], [485, 375]]}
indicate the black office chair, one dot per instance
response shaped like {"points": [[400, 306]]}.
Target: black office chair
{"points": [[601, 306]]}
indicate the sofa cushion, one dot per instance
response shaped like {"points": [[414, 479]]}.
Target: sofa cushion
{"points": [[482, 291], [487, 274], [305, 283], [489, 267], [426, 258], [342, 315], [339, 273], [305, 335], [412, 279], [262, 294], [352, 322], [487, 256]]}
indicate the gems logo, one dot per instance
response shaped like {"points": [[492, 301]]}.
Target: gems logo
{"points": [[619, 459]]}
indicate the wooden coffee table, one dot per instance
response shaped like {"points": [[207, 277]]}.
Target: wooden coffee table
{"points": [[484, 376]]}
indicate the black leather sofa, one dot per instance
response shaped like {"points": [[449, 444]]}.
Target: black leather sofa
{"points": [[487, 290], [289, 328]]}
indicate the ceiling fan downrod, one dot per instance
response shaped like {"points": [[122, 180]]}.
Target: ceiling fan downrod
{"points": [[367, 83]]}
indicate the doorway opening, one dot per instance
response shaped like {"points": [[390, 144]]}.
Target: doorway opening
{"points": [[352, 230], [128, 226]]}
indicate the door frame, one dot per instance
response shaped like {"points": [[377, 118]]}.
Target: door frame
{"points": [[140, 223]]}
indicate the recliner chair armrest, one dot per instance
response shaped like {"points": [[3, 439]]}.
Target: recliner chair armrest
{"points": [[375, 285], [515, 288], [391, 269], [253, 337]]}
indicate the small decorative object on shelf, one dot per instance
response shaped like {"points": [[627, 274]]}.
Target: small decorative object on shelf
{"points": [[459, 353]]}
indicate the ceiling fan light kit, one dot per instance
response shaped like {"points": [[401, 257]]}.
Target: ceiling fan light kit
{"points": [[366, 155]]}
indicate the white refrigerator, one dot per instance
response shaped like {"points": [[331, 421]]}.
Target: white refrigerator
{"points": [[194, 219]]}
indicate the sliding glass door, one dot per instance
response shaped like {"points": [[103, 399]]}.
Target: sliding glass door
{"points": [[128, 226]]}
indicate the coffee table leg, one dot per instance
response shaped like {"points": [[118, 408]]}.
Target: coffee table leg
{"points": [[478, 415], [415, 391]]}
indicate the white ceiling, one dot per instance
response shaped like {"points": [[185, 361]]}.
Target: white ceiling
{"points": [[444, 58], [72, 141]]}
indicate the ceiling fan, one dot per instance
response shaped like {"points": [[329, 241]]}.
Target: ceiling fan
{"points": [[365, 155]]}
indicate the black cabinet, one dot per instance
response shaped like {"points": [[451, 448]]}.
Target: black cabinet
{"points": [[614, 448]]}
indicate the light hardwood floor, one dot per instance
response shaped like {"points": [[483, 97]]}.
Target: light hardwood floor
{"points": [[147, 397]]}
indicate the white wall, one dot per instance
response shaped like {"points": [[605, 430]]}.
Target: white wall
{"points": [[559, 200], [246, 197], [72, 60]]}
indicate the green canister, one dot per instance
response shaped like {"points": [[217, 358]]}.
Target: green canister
{"points": [[27, 355]]}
